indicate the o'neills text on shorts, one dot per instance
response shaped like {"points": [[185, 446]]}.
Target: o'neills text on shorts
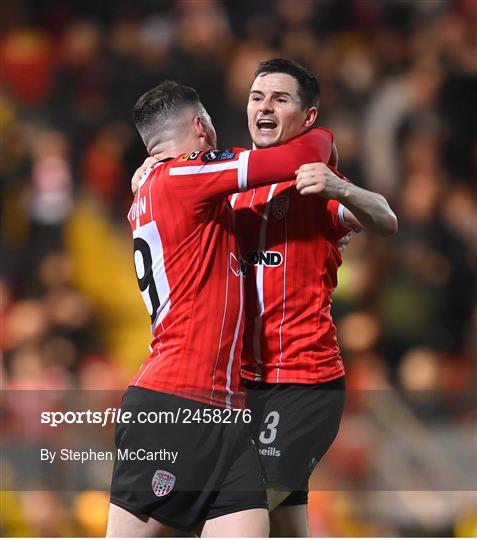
{"points": [[84, 456]]}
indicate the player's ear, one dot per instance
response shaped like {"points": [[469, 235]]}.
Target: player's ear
{"points": [[205, 133], [199, 127], [311, 114]]}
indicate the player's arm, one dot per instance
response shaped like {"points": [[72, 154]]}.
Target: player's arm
{"points": [[207, 177], [344, 230], [362, 208]]}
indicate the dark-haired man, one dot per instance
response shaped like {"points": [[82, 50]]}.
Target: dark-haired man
{"points": [[190, 275], [291, 359]]}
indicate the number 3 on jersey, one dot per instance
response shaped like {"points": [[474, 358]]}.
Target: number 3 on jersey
{"points": [[150, 271], [271, 423]]}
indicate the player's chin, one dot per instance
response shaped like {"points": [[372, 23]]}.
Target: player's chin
{"points": [[263, 140]]}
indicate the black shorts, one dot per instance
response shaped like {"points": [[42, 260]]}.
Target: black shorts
{"points": [[294, 425], [216, 470]]}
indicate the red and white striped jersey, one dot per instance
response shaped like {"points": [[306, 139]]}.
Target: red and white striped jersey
{"points": [[290, 244], [188, 265]]}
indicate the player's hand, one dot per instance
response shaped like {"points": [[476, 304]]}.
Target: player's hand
{"points": [[318, 179], [344, 241], [148, 162]]}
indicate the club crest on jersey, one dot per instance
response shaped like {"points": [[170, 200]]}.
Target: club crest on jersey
{"points": [[217, 155], [162, 483], [265, 258], [280, 206]]}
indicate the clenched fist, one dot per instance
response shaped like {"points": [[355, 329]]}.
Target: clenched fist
{"points": [[318, 179]]}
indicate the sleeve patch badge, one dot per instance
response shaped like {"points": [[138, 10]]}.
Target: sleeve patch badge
{"points": [[217, 155]]}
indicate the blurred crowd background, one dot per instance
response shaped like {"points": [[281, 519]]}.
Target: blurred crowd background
{"points": [[399, 89]]}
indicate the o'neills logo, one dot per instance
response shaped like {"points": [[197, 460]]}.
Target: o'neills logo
{"points": [[269, 451], [162, 483], [266, 258]]}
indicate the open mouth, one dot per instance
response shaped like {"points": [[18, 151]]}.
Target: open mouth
{"points": [[266, 124]]}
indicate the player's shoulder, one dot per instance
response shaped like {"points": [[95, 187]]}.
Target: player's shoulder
{"points": [[207, 156], [316, 137], [203, 162], [325, 131]]}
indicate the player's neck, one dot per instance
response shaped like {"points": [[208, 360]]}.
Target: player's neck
{"points": [[175, 148], [162, 150]]}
